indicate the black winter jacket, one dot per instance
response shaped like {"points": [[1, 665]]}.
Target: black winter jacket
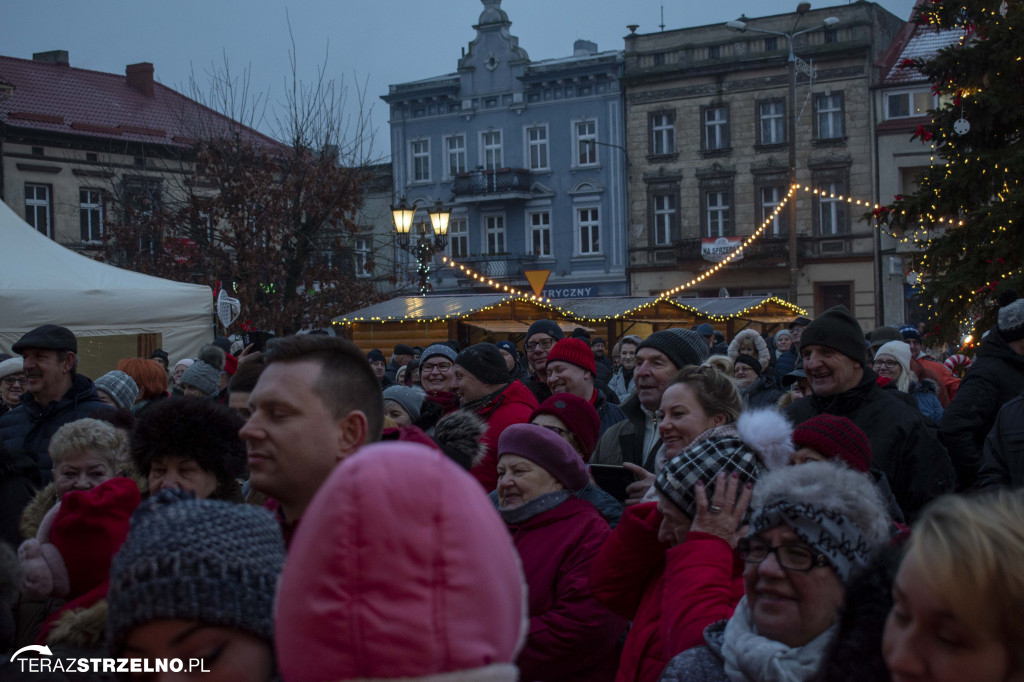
{"points": [[904, 444], [28, 428], [995, 378], [624, 441], [1002, 460]]}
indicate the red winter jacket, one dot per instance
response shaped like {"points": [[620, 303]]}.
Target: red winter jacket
{"points": [[572, 636], [670, 593], [514, 405]]}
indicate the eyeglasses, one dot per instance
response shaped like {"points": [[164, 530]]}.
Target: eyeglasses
{"points": [[439, 366], [10, 381], [790, 557], [888, 364], [545, 344]]}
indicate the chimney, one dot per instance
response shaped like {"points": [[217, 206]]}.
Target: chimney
{"points": [[51, 57], [582, 48], [140, 77]]}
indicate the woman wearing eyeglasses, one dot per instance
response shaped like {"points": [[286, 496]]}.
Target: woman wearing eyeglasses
{"points": [[12, 384], [892, 361], [814, 528], [571, 636], [437, 376]]}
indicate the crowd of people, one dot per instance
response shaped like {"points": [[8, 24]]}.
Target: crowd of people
{"points": [[804, 502]]}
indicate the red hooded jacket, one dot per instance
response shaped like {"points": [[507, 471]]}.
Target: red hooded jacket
{"points": [[670, 593], [514, 405]]}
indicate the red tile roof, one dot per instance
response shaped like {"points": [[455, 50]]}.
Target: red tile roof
{"points": [[58, 98]]}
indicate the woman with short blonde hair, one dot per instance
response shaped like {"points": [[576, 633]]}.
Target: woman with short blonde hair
{"points": [[960, 582]]}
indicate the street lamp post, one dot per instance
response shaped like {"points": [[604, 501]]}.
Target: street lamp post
{"points": [[431, 236], [795, 64]]}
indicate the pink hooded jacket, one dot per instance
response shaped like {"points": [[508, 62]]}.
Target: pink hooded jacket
{"points": [[401, 568]]}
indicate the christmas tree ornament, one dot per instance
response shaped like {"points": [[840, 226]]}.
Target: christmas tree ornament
{"points": [[961, 126]]}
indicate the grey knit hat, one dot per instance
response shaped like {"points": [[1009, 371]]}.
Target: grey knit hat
{"points": [[411, 399], [1011, 319], [119, 386], [187, 559], [682, 346], [204, 377], [438, 349], [722, 451]]}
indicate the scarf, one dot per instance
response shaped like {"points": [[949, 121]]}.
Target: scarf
{"points": [[537, 505], [751, 657]]}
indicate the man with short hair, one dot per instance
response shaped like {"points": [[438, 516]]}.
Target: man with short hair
{"points": [[485, 388], [905, 445], [540, 337], [634, 442], [55, 395], [316, 402], [598, 346], [376, 359], [571, 369]]}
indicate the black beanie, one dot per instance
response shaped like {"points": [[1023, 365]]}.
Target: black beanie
{"points": [[750, 361], [545, 327], [485, 362], [838, 329], [682, 346]]}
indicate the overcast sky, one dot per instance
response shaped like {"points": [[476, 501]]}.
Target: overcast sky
{"points": [[376, 42]]}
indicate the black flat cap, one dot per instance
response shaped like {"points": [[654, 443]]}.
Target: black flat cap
{"points": [[47, 337]]}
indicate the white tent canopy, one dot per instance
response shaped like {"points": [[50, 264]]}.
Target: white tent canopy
{"points": [[42, 282]]}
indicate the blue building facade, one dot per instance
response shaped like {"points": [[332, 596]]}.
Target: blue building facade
{"points": [[530, 156]]}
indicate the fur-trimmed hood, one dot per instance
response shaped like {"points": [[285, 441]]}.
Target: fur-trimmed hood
{"points": [[763, 355], [459, 435]]}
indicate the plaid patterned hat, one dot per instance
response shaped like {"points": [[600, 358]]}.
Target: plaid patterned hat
{"points": [[120, 387], [722, 450]]}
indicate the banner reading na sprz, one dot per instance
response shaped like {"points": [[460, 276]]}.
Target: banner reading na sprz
{"points": [[715, 249]]}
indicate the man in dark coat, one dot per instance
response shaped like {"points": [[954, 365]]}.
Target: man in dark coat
{"points": [[540, 337], [904, 444], [659, 358], [995, 378], [56, 394], [1002, 460]]}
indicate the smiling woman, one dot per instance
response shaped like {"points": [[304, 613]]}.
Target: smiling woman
{"points": [[814, 528]]}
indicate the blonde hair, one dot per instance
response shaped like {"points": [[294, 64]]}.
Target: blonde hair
{"points": [[972, 549], [715, 391], [89, 434], [723, 363]]}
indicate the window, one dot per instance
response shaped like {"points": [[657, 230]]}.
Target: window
{"points": [[771, 44], [663, 133], [831, 35], [771, 116], [37, 208], [585, 133], [716, 128], [537, 140], [458, 236], [768, 200], [714, 52], [90, 214], [829, 116], [491, 146], [456, 151], [665, 218], [716, 208], [830, 294], [420, 160], [540, 233], [833, 217], [494, 230], [362, 248], [907, 104], [589, 231]]}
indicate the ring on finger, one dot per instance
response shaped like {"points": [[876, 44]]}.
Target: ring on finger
{"points": [[714, 509]]}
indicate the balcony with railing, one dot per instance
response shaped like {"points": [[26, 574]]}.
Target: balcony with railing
{"points": [[492, 185], [501, 266]]}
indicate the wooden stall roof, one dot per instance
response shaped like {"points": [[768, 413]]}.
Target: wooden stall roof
{"points": [[517, 311], [768, 310]]}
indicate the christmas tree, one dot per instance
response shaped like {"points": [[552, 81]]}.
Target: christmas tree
{"points": [[967, 211]]}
